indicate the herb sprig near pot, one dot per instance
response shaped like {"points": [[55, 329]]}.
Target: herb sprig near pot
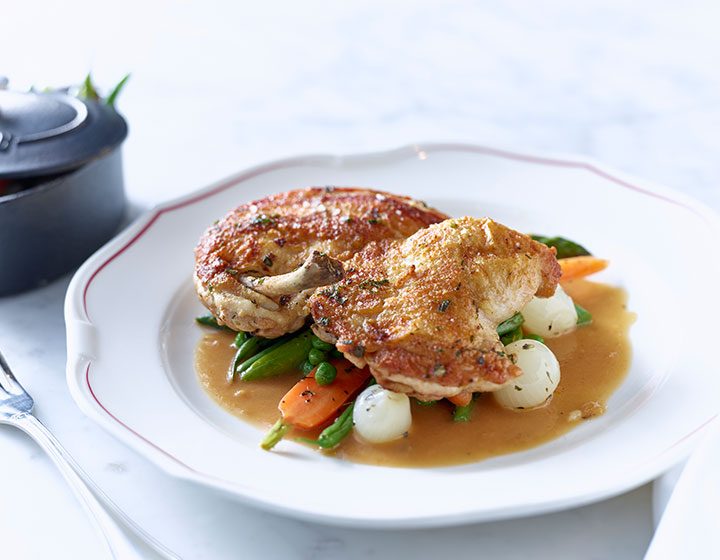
{"points": [[88, 91]]}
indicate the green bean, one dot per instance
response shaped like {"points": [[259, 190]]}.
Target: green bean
{"points": [[462, 413], [322, 345], [266, 348], [512, 336], [335, 432], [245, 352], [275, 434], [283, 356], [565, 247], [584, 317], [325, 373], [316, 356], [534, 337], [425, 403], [240, 338], [210, 321], [510, 324]]}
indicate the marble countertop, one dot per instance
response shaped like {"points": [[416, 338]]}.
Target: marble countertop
{"points": [[220, 86]]}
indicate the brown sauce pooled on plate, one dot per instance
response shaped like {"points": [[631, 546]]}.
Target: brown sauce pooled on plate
{"points": [[594, 360]]}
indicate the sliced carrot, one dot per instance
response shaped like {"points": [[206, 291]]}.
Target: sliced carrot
{"points": [[461, 399], [308, 404], [579, 267]]}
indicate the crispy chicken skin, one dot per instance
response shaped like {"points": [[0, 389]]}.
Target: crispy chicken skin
{"points": [[256, 267], [422, 313]]}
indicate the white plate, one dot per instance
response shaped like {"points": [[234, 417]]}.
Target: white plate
{"points": [[131, 335]]}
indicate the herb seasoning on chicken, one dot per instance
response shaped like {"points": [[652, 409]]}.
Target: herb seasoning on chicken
{"points": [[256, 268], [403, 327]]}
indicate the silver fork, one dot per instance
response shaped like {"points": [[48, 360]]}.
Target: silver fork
{"points": [[16, 409]]}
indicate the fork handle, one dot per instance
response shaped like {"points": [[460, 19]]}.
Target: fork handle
{"points": [[117, 543]]}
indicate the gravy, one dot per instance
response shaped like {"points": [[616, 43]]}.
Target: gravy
{"points": [[594, 360]]}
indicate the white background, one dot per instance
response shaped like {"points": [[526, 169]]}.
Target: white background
{"points": [[219, 86]]}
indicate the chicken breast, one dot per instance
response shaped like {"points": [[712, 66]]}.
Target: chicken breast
{"points": [[256, 268], [422, 313]]}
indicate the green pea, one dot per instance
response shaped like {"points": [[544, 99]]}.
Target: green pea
{"points": [[325, 373], [306, 367], [322, 345], [335, 353], [316, 356]]}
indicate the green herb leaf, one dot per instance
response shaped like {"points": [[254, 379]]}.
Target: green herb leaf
{"points": [[334, 293], [370, 284], [110, 101], [87, 90], [264, 220]]}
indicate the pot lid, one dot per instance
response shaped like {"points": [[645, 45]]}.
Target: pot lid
{"points": [[44, 133]]}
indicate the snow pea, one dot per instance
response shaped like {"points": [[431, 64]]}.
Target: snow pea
{"points": [[335, 432], [287, 354]]}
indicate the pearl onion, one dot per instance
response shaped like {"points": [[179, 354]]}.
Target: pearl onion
{"points": [[541, 375], [551, 316], [381, 415]]}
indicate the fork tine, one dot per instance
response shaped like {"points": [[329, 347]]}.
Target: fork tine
{"points": [[8, 381]]}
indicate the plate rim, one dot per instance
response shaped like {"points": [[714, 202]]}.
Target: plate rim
{"points": [[79, 332]]}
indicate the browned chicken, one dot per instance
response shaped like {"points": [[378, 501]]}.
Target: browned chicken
{"points": [[422, 313], [256, 268]]}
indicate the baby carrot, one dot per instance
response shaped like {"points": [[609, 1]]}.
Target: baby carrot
{"points": [[579, 267], [309, 404], [461, 399]]}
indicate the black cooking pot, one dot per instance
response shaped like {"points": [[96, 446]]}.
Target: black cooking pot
{"points": [[61, 184]]}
